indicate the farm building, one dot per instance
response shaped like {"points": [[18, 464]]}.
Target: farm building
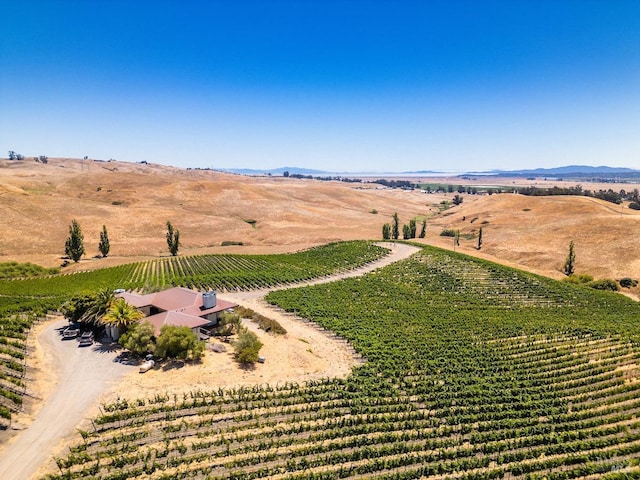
{"points": [[180, 307]]}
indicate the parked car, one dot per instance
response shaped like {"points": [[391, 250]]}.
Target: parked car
{"points": [[86, 339], [71, 331]]}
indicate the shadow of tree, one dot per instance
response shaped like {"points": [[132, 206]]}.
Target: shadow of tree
{"points": [[107, 347], [247, 367], [172, 364]]}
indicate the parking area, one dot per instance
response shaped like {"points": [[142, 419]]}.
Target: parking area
{"points": [[82, 375]]}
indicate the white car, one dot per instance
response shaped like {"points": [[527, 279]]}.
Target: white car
{"points": [[85, 339]]}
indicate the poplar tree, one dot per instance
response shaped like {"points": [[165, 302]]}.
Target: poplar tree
{"points": [[423, 230], [412, 228], [104, 246], [395, 233], [386, 231], [74, 246], [569, 263], [173, 239]]}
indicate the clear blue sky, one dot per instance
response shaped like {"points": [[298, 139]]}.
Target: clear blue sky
{"points": [[335, 85]]}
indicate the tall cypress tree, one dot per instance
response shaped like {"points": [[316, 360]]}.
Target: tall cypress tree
{"points": [[423, 230], [173, 239], [412, 228], [569, 263], [395, 234], [74, 246], [104, 246], [386, 231]]}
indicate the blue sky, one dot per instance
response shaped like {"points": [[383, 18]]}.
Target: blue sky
{"points": [[333, 85]]}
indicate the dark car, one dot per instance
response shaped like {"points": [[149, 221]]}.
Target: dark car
{"points": [[86, 339]]}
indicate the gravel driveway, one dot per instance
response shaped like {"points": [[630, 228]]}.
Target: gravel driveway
{"points": [[84, 373]]}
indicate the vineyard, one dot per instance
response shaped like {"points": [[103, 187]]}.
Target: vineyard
{"points": [[205, 272], [23, 301], [474, 371]]}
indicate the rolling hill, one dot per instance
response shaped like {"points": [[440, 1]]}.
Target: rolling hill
{"points": [[134, 201]]}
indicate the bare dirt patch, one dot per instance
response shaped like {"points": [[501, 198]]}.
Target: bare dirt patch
{"points": [[304, 353]]}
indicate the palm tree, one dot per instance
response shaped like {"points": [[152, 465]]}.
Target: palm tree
{"points": [[119, 315], [98, 307]]}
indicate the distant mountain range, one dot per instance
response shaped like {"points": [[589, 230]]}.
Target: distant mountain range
{"points": [[568, 171], [275, 171]]}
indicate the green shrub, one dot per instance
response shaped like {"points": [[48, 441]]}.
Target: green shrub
{"points": [[247, 347], [229, 323], [138, 338], [448, 232], [604, 284], [578, 279], [228, 243], [627, 282], [268, 324], [178, 342]]}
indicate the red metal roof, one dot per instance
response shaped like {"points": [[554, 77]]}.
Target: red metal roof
{"points": [[177, 298], [182, 307], [176, 319], [136, 300]]}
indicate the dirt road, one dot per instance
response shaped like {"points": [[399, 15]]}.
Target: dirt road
{"points": [[85, 373], [398, 251]]}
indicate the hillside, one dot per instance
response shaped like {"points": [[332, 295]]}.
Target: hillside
{"points": [[134, 201], [534, 233]]}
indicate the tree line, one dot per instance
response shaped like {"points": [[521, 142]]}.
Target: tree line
{"points": [[392, 231], [74, 245], [608, 195]]}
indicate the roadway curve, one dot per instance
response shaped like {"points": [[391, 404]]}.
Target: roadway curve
{"points": [[84, 374]]}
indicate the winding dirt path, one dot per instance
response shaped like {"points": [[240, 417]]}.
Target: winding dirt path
{"points": [[397, 252], [83, 375]]}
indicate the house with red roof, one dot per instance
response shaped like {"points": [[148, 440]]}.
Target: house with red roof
{"points": [[180, 307]]}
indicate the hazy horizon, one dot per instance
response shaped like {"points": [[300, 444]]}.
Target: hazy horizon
{"points": [[450, 86]]}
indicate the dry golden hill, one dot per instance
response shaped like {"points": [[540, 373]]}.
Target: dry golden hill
{"points": [[534, 233], [134, 201]]}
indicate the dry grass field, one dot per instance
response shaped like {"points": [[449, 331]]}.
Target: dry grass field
{"points": [[134, 201]]}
